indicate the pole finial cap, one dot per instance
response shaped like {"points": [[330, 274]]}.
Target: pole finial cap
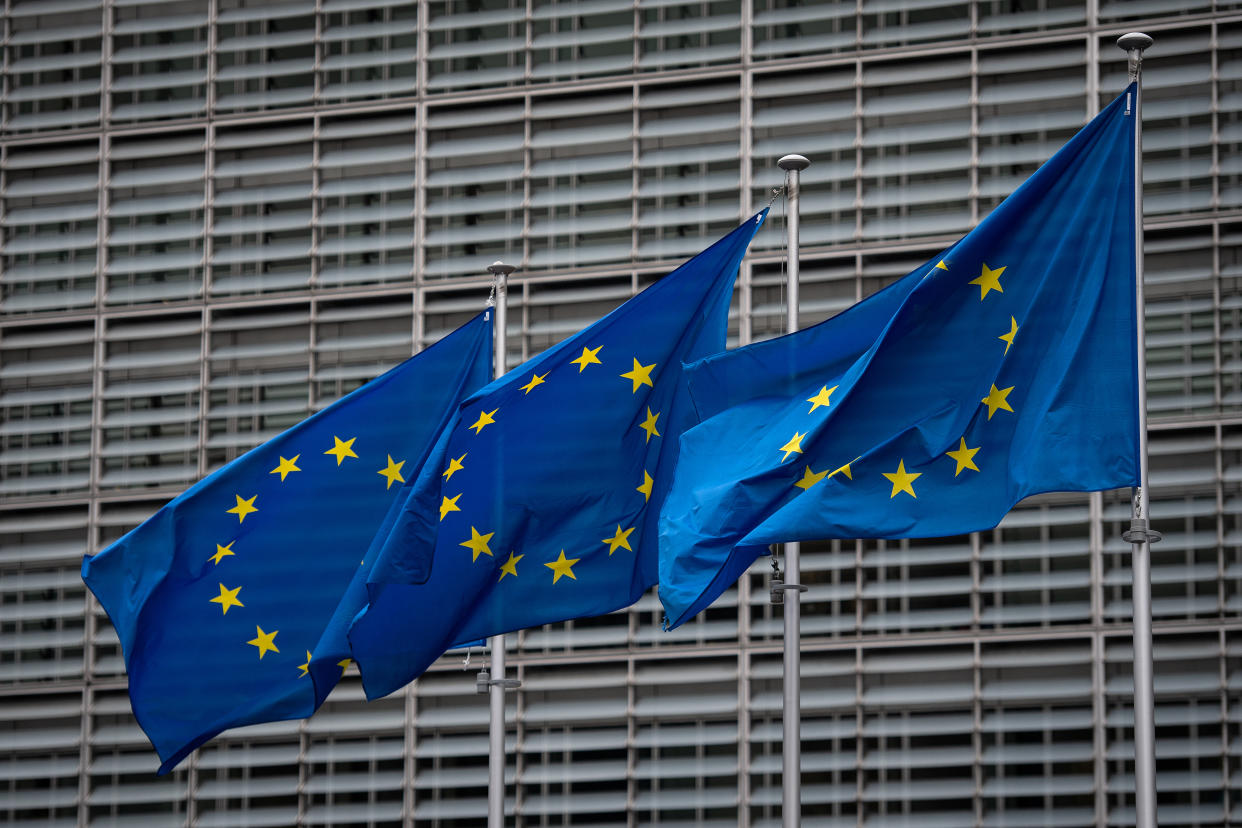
{"points": [[1134, 40], [793, 162], [498, 267]]}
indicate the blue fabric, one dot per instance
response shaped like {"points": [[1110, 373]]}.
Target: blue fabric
{"points": [[533, 513], [190, 588], [892, 386]]}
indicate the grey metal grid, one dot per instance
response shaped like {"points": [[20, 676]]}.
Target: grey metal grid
{"points": [[219, 216]]}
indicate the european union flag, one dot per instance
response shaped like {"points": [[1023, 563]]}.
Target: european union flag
{"points": [[1003, 368], [545, 502], [220, 599]]}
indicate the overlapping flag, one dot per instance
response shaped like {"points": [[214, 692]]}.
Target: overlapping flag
{"points": [[221, 598], [1005, 367], [543, 501]]}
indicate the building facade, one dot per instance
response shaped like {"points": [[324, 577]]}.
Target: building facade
{"points": [[220, 215]]}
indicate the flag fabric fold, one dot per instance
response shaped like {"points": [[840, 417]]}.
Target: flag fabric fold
{"points": [[542, 500], [1003, 368], [221, 598]]}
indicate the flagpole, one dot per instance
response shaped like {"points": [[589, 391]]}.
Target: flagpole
{"points": [[496, 682], [791, 766], [1140, 535]]}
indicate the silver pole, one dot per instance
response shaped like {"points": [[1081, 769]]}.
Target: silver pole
{"points": [[496, 643], [791, 768], [1140, 534]]}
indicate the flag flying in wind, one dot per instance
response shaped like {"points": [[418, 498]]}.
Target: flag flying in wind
{"points": [[220, 599], [1003, 368], [544, 504]]}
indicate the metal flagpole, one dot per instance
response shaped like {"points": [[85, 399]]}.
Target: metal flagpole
{"points": [[791, 768], [495, 684], [1140, 534]]}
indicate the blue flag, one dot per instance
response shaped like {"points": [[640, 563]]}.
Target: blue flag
{"points": [[545, 501], [1003, 368], [221, 598]]}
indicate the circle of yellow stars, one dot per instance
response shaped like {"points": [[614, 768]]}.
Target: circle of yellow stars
{"points": [[997, 399], [639, 375], [229, 597]]}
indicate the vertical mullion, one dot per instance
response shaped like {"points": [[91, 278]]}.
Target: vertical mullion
{"points": [[860, 720], [6, 73], [315, 201], [631, 748], [204, 400], [976, 730], [1226, 799], [635, 172], [745, 723], [418, 263], [972, 195], [858, 148], [746, 149], [317, 48]]}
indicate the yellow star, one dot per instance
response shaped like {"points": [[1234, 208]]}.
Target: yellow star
{"points": [[286, 466], [1008, 337], [509, 567], [222, 552], [344, 665], [940, 265], [621, 540], [305, 668], [988, 280], [821, 398], [562, 566], [649, 425], [995, 400], [646, 487], [227, 598], [810, 478], [453, 467], [478, 543], [485, 419], [640, 375], [535, 379], [264, 641], [589, 355], [794, 445], [393, 473], [342, 449], [845, 470], [449, 504], [244, 507], [965, 457], [902, 479]]}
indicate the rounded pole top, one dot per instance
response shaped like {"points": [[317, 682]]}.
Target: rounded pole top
{"points": [[498, 267], [793, 162], [1134, 40]]}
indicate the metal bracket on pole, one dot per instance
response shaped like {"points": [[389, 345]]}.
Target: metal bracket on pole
{"points": [[777, 585], [1140, 532], [483, 683]]}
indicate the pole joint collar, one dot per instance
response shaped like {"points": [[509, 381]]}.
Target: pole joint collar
{"points": [[777, 589], [1141, 532]]}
